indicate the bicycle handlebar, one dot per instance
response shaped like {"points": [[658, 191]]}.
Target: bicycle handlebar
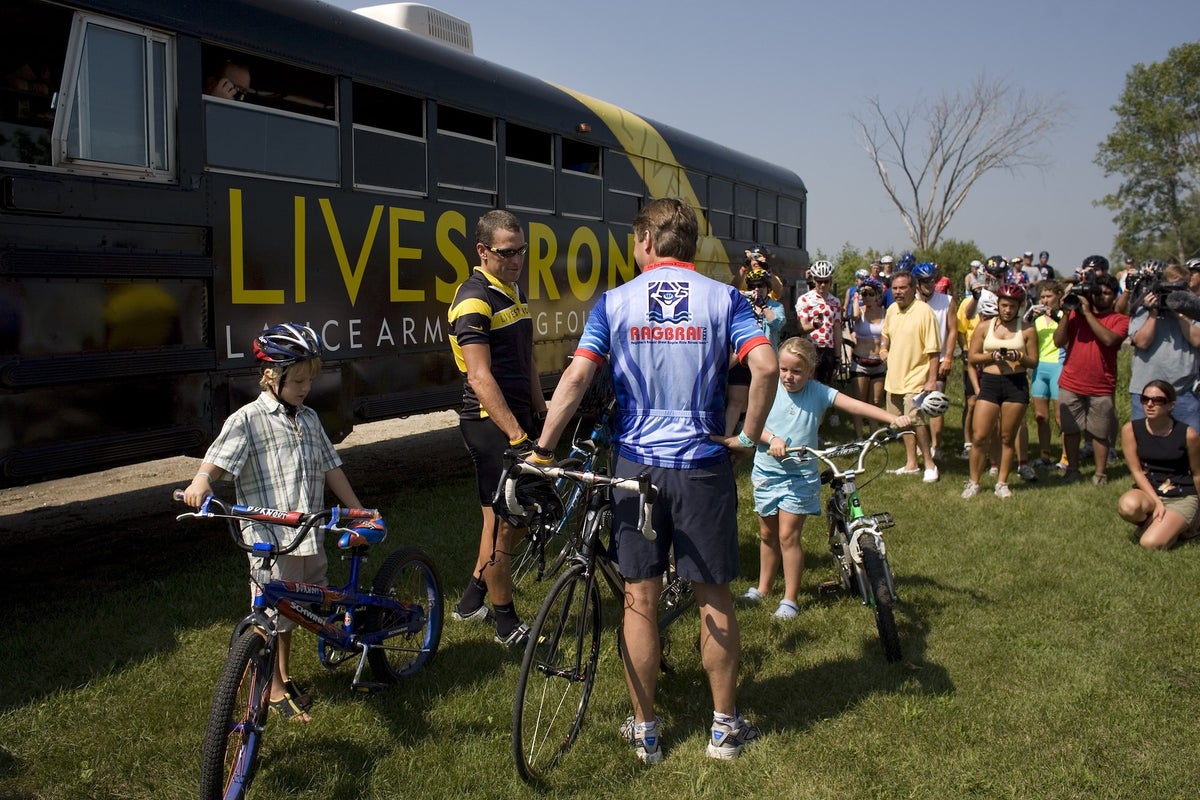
{"points": [[329, 519], [860, 448], [647, 492]]}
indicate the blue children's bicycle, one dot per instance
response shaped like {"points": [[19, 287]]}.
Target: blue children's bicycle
{"points": [[394, 628]]}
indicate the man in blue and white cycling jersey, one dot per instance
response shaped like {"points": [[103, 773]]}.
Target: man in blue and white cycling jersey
{"points": [[668, 334]]}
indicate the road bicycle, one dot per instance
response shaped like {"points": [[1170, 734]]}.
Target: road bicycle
{"points": [[558, 669], [855, 537], [394, 628]]}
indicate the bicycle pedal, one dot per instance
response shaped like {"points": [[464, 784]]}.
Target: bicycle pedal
{"points": [[368, 687], [829, 587], [883, 520]]}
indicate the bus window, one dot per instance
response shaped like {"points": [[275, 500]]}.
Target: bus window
{"points": [[720, 208], [767, 217], [746, 207], [118, 99], [466, 156], [791, 219], [389, 141], [623, 179], [529, 168], [699, 185], [267, 117], [580, 186], [33, 47]]}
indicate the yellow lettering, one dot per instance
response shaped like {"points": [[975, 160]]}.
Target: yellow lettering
{"points": [[620, 265], [351, 277], [540, 262], [583, 289], [451, 222], [398, 253], [237, 263], [298, 248]]}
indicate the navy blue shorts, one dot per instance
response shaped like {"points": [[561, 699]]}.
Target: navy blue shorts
{"points": [[696, 512]]}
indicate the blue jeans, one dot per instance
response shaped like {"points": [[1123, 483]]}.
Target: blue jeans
{"points": [[1187, 409]]}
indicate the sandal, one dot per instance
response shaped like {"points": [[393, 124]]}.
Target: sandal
{"points": [[299, 695], [287, 708]]}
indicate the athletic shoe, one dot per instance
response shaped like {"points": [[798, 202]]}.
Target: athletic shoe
{"points": [[647, 748], [1043, 463], [931, 475], [787, 610], [905, 471], [1099, 480], [966, 452], [1002, 491], [1062, 465], [935, 453], [516, 637], [481, 614], [970, 489], [751, 596], [728, 739], [1026, 472]]}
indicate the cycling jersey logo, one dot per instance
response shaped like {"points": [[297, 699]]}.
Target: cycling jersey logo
{"points": [[669, 301]]}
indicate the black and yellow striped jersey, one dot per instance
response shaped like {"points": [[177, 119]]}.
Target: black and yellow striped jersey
{"points": [[489, 311]]}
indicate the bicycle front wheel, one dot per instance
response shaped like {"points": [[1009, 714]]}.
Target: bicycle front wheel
{"points": [[557, 674], [882, 600], [233, 735], [407, 576], [556, 543]]}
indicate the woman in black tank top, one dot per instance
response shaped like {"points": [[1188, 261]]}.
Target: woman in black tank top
{"points": [[1164, 460]]}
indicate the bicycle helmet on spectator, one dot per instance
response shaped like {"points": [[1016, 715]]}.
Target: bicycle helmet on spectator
{"points": [[934, 404], [924, 271], [1152, 266], [758, 277], [872, 283], [885, 260], [821, 269], [1044, 254], [988, 307], [906, 262], [862, 273], [996, 266], [1011, 291], [976, 264], [1193, 264], [757, 250], [286, 344], [1099, 263], [537, 502]]}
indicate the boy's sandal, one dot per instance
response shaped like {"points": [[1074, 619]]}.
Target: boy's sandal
{"points": [[299, 695], [286, 707]]}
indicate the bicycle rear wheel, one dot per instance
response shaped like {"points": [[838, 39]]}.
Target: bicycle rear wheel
{"points": [[876, 568], [408, 576], [233, 735], [557, 674]]}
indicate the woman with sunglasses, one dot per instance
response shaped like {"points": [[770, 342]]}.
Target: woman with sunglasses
{"points": [[867, 367], [1164, 460]]}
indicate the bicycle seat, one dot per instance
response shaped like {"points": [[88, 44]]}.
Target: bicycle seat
{"points": [[362, 533]]}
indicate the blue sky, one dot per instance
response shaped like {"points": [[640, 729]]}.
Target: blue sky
{"points": [[779, 80]]}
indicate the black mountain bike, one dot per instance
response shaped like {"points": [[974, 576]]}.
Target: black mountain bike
{"points": [[856, 538]]}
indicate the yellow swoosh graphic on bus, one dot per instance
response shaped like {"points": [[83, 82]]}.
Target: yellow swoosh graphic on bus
{"points": [[662, 174]]}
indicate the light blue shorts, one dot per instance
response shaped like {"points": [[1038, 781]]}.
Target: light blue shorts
{"points": [[1045, 380], [794, 492]]}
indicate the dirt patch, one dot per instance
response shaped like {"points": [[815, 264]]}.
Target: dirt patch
{"points": [[84, 533]]}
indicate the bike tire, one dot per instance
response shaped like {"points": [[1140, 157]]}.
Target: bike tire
{"points": [[882, 600], [675, 600], [408, 575], [233, 734], [529, 554], [557, 674]]}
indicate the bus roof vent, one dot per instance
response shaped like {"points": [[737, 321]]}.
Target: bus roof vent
{"points": [[424, 21]]}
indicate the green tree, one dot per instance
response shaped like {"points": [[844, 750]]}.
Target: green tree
{"points": [[1155, 148]]}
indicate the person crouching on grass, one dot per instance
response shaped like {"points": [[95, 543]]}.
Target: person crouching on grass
{"points": [[280, 457], [786, 492]]}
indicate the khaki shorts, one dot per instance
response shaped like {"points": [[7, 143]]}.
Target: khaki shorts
{"points": [[1093, 414], [1185, 506], [301, 569], [903, 404]]}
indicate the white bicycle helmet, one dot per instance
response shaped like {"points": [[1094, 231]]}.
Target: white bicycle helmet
{"points": [[821, 269], [988, 307], [933, 404]]}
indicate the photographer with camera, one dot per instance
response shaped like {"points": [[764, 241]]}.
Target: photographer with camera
{"points": [[1092, 333], [759, 257], [1164, 344]]}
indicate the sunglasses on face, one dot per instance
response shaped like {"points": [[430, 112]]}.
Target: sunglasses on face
{"points": [[508, 252], [1154, 400]]}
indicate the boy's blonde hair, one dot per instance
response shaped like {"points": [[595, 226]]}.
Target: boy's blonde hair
{"points": [[803, 349], [298, 371]]}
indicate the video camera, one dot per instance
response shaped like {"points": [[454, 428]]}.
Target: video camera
{"points": [[1086, 287]]}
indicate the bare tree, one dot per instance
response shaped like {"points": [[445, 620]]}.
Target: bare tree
{"points": [[942, 147]]}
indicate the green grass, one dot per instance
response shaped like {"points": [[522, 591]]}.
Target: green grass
{"points": [[1046, 656]]}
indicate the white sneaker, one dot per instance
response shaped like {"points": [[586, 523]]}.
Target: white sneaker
{"points": [[1026, 472], [645, 746], [931, 475], [966, 452], [970, 490], [1003, 491]]}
